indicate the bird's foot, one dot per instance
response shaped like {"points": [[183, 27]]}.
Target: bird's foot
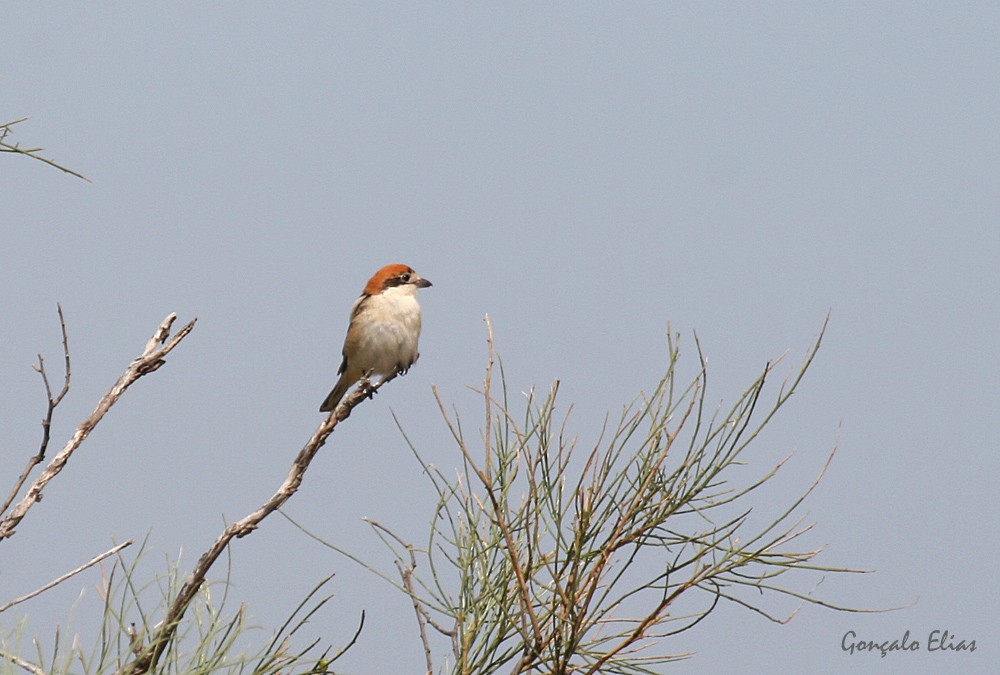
{"points": [[367, 387]]}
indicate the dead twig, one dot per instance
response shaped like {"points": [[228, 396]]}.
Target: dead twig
{"points": [[56, 582], [406, 574], [151, 359], [18, 661], [53, 401]]}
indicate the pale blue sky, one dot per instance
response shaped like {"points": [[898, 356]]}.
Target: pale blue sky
{"points": [[584, 174]]}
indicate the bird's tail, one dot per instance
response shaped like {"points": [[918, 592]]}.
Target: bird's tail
{"points": [[333, 398]]}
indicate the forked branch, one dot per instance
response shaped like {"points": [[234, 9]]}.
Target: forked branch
{"points": [[53, 401], [152, 357]]}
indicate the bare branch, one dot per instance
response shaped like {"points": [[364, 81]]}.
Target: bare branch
{"points": [[66, 576], [149, 656], [151, 359], [36, 459], [406, 573], [18, 661]]}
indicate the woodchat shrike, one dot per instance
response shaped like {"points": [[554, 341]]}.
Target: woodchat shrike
{"points": [[384, 330]]}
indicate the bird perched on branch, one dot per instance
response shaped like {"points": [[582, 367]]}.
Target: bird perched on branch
{"points": [[385, 326]]}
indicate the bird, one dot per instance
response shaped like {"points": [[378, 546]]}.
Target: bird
{"points": [[383, 332]]}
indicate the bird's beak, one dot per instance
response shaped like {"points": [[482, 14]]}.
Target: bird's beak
{"points": [[422, 283]]}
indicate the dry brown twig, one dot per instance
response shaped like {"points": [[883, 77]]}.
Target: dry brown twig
{"points": [[406, 574], [152, 357], [36, 459], [150, 655]]}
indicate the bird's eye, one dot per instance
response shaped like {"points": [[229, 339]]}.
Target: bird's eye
{"points": [[404, 277]]}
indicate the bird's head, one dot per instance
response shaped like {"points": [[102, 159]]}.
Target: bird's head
{"points": [[401, 277]]}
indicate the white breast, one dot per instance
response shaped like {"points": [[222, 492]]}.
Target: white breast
{"points": [[392, 329]]}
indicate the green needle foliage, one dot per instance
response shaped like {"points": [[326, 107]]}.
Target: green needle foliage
{"points": [[211, 638], [545, 558]]}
